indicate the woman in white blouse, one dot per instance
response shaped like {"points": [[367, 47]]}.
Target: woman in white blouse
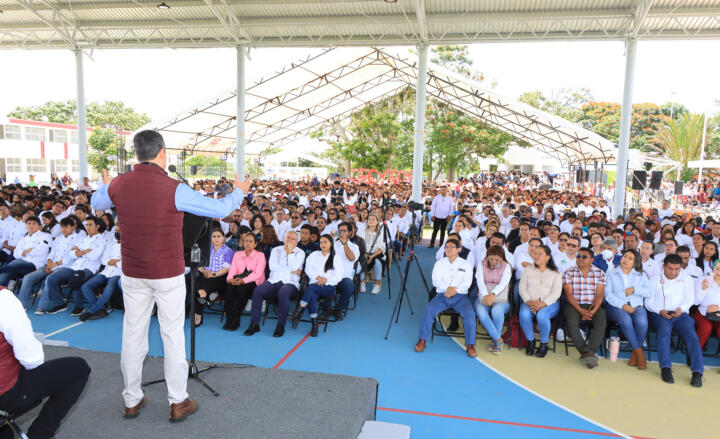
{"points": [[324, 268], [372, 234], [493, 278], [707, 297]]}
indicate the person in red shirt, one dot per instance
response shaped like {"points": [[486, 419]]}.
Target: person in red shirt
{"points": [[26, 378]]}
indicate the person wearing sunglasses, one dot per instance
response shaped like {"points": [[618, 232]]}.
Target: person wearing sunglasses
{"points": [[566, 259], [451, 277]]}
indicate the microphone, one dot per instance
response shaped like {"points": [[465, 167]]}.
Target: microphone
{"points": [[174, 170]]}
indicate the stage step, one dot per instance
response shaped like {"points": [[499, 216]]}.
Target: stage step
{"points": [[384, 430]]}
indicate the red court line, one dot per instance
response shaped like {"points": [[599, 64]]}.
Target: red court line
{"points": [[291, 351], [516, 424]]}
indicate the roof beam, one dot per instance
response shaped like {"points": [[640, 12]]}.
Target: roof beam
{"points": [[420, 14], [641, 12], [227, 15], [139, 4], [28, 5]]}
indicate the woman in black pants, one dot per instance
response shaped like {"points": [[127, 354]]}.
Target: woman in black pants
{"points": [[246, 271], [211, 278]]}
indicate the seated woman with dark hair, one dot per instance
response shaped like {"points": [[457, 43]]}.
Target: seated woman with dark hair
{"points": [[246, 272], [493, 279], [324, 268], [50, 224], [233, 235], [286, 265], [268, 241], [211, 278]]}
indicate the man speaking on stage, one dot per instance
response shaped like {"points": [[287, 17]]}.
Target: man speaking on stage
{"points": [[150, 208]]}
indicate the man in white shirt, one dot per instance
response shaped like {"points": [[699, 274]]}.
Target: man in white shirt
{"points": [[25, 376], [349, 252], [665, 211], [567, 259], [30, 253], [441, 209], [109, 277], [451, 277], [668, 308]]}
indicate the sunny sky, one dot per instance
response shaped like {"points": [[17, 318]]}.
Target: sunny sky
{"points": [[165, 82]]}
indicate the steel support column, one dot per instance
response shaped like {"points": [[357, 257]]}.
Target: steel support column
{"points": [[81, 124], [419, 149], [625, 120], [240, 114]]}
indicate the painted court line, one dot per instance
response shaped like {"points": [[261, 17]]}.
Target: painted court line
{"points": [[515, 424], [291, 351], [545, 398], [63, 329]]}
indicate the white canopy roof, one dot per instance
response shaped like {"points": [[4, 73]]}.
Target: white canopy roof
{"points": [[328, 87], [321, 23]]}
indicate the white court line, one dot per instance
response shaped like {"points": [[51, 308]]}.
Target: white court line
{"points": [[544, 397], [63, 329]]}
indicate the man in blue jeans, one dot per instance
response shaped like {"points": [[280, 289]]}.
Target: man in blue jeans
{"points": [[109, 277], [349, 252], [671, 298], [30, 254]]}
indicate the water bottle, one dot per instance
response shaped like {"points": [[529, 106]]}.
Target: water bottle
{"points": [[195, 254]]}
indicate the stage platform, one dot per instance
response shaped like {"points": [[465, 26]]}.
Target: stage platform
{"points": [[254, 402]]}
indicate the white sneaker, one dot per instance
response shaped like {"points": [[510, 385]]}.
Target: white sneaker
{"points": [[362, 286], [264, 306], [560, 335], [584, 334], [376, 289], [213, 296], [248, 307]]}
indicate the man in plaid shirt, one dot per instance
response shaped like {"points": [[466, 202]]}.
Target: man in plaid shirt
{"points": [[584, 286]]}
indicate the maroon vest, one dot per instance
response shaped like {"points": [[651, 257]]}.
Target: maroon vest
{"points": [[9, 366], [150, 224]]}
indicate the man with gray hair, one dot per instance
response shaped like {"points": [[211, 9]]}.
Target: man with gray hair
{"points": [[609, 256], [150, 207]]}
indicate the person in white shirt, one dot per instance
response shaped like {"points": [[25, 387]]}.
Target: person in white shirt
{"points": [[451, 277], [707, 297], [440, 210], [89, 252], [30, 254], [286, 265], [25, 376], [668, 307], [350, 253], [325, 270], [493, 279], [568, 258], [665, 211], [13, 232], [688, 264], [109, 277], [651, 267]]}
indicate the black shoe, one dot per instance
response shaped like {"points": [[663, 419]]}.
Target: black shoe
{"points": [[57, 309], [314, 330], [339, 316], [84, 316], [279, 331], [530, 349], [542, 350], [325, 316], [696, 380], [226, 326], [76, 311], [295, 316], [252, 329], [100, 314], [666, 374], [454, 323]]}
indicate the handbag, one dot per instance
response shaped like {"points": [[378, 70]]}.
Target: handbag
{"points": [[713, 317]]}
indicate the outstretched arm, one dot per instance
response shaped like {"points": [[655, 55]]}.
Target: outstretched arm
{"points": [[187, 200]]}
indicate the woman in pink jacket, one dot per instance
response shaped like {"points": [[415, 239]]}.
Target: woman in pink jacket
{"points": [[246, 272]]}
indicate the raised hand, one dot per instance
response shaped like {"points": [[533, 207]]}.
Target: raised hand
{"points": [[243, 186]]}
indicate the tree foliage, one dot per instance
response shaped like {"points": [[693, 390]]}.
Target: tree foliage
{"points": [[565, 102], [680, 139], [604, 119], [105, 146], [102, 115]]}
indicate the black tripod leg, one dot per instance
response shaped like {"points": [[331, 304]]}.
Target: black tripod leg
{"points": [[195, 374], [403, 291]]}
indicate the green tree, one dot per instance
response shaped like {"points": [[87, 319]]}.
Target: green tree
{"points": [[455, 58], [680, 140], [109, 114], [565, 102], [105, 146], [604, 119]]}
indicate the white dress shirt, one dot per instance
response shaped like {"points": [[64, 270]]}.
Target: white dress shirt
{"points": [[442, 207], [17, 330], [112, 251], [92, 260], [348, 264], [446, 274], [283, 264], [671, 294], [315, 267], [39, 242], [708, 296]]}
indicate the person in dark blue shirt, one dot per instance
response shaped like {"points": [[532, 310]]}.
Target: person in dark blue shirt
{"points": [[608, 256]]}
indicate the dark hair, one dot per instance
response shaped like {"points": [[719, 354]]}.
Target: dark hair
{"points": [[216, 229], [229, 233], [255, 217], [100, 223], [329, 263], [110, 220], [535, 239], [587, 250], [700, 261], [53, 221], [67, 222], [672, 259], [550, 263], [637, 264], [455, 242], [495, 250], [79, 226], [82, 208], [147, 144], [269, 236], [34, 219], [346, 224]]}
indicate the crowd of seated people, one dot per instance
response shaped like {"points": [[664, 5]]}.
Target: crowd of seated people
{"points": [[511, 246]]}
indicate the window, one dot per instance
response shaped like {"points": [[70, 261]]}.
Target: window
{"points": [[75, 166], [11, 132], [14, 165], [59, 136], [74, 137], [36, 165], [34, 133], [61, 166]]}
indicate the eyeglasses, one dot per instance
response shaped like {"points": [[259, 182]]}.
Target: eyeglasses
{"points": [[296, 217], [449, 247], [572, 245], [562, 239], [584, 257]]}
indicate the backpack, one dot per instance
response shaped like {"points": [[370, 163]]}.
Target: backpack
{"points": [[514, 334]]}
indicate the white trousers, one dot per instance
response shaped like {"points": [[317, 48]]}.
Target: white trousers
{"points": [[139, 296]]}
